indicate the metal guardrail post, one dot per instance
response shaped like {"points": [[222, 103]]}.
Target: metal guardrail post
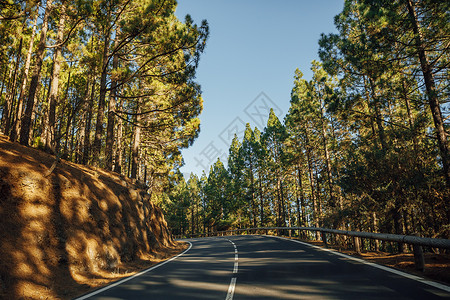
{"points": [[324, 238], [419, 259], [357, 245]]}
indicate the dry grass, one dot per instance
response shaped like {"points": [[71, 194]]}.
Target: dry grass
{"points": [[75, 229]]}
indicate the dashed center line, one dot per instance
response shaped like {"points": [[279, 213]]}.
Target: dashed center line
{"points": [[232, 286], [235, 269], [231, 289]]}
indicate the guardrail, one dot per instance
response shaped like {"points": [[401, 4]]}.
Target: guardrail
{"points": [[414, 240]]}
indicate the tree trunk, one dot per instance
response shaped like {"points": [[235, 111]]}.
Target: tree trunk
{"points": [[327, 157], [318, 197], [398, 228], [430, 86], [196, 217], [36, 130], [72, 142], [375, 229], [378, 115], [44, 112], [118, 161], [339, 193], [3, 85], [261, 199], [301, 210], [278, 204], [311, 181], [69, 119], [12, 91], [252, 190], [135, 148], [129, 158], [192, 219], [83, 123], [50, 138], [87, 129], [26, 120], [1, 94], [313, 196], [19, 110], [97, 145], [289, 217], [283, 205], [7, 107], [111, 111], [418, 160]]}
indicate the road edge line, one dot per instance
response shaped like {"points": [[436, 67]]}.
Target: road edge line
{"points": [[133, 276], [437, 285]]}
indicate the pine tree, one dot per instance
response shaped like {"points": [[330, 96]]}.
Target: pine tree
{"points": [[273, 139]]}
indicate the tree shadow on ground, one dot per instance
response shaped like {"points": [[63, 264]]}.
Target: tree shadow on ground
{"points": [[69, 230]]}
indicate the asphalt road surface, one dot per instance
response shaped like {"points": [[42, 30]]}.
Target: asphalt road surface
{"points": [[264, 267]]}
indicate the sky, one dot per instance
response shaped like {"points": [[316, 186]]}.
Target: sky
{"points": [[248, 65]]}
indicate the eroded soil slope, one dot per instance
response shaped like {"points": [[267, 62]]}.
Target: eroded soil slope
{"points": [[64, 232]]}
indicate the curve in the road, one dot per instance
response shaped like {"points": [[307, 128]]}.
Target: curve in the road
{"points": [[268, 267]]}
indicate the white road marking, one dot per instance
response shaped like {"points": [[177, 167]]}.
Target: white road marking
{"points": [[134, 276], [394, 271], [232, 286], [231, 289], [235, 269]]}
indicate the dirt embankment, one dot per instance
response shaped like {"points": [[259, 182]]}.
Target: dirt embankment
{"points": [[76, 228]]}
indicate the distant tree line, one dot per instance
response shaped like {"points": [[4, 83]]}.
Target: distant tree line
{"points": [[108, 83], [363, 147]]}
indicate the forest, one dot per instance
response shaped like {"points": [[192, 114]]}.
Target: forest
{"points": [[363, 147], [106, 83]]}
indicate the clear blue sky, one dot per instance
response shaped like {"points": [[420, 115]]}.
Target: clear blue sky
{"points": [[248, 65]]}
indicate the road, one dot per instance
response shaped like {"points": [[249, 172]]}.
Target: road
{"points": [[264, 267]]}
